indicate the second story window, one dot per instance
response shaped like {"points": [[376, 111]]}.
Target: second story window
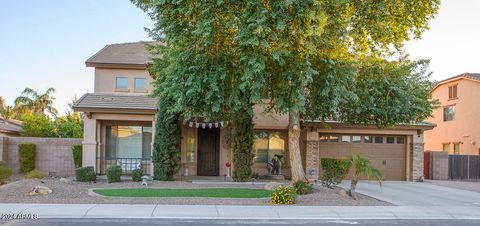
{"points": [[121, 83], [449, 113], [140, 84], [452, 92]]}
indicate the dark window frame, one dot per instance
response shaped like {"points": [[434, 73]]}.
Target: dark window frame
{"points": [[446, 117], [453, 92]]}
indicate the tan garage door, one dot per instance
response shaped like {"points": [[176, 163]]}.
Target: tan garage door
{"points": [[386, 153]]}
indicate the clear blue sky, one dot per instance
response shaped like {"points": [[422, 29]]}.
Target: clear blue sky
{"points": [[45, 43]]}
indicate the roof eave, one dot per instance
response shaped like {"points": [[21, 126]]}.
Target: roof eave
{"points": [[115, 110], [347, 125], [116, 65]]}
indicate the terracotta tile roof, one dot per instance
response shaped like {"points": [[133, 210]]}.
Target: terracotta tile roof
{"points": [[134, 53], [115, 101], [474, 76]]}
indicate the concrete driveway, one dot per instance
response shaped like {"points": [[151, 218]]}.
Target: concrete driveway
{"points": [[405, 193]]}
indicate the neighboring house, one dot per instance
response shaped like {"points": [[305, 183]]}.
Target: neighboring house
{"points": [[10, 127], [458, 117], [120, 121]]}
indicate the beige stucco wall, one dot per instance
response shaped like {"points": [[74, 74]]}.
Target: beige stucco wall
{"points": [[263, 120], [105, 80], [465, 127]]}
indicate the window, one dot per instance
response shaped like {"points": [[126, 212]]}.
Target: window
{"points": [[456, 148], [378, 140], [191, 145], [267, 144], [356, 139], [334, 138], [128, 142], [345, 139], [140, 83], [121, 83], [323, 138], [449, 113], [367, 139], [452, 92], [400, 140], [390, 140], [446, 147]]}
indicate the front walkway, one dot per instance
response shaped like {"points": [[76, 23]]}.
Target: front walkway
{"points": [[240, 212], [406, 193]]}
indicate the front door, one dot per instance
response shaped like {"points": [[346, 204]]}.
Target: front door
{"points": [[208, 152]]}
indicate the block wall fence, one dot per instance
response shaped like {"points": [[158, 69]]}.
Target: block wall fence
{"points": [[53, 155]]}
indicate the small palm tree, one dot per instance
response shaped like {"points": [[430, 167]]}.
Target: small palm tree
{"points": [[31, 100], [362, 167]]}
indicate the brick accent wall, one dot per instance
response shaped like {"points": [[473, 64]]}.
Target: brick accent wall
{"points": [[416, 152], [312, 160], [54, 155]]}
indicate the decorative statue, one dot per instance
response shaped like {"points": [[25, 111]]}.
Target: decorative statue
{"points": [[275, 165]]}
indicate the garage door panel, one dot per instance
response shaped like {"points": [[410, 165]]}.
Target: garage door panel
{"points": [[388, 158]]}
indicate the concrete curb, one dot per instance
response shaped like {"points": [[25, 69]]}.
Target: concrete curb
{"points": [[115, 211]]}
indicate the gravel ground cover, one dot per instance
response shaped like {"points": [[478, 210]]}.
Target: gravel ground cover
{"points": [[77, 192]]}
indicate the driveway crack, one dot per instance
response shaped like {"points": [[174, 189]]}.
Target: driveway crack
{"points": [[154, 208], [88, 210]]}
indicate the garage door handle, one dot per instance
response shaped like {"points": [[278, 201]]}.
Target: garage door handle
{"points": [[384, 162]]}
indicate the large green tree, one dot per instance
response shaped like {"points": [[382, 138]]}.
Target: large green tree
{"points": [[312, 59]]}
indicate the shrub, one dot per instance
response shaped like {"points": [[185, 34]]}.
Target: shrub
{"points": [[5, 172], [113, 173], [77, 155], [302, 187], [69, 127], [85, 174], [334, 171], [242, 146], [166, 146], [284, 195], [26, 156], [137, 174], [35, 174], [38, 125]]}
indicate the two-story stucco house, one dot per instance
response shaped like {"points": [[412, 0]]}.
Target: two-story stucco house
{"points": [[120, 121], [458, 117]]}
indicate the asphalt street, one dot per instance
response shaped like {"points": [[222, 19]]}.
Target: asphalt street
{"points": [[121, 222]]}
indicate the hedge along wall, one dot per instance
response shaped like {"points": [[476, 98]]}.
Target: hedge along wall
{"points": [[53, 155]]}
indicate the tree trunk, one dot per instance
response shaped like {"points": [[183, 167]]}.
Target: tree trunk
{"points": [[353, 185], [294, 147]]}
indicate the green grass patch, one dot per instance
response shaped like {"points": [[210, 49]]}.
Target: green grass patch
{"points": [[185, 192]]}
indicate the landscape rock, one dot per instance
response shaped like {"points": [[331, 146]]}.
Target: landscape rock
{"points": [[342, 192], [271, 186], [65, 180], [40, 190]]}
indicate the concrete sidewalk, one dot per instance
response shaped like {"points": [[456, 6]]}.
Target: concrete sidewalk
{"points": [[241, 212]]}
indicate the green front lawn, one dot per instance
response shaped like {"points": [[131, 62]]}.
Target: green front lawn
{"points": [[185, 192]]}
